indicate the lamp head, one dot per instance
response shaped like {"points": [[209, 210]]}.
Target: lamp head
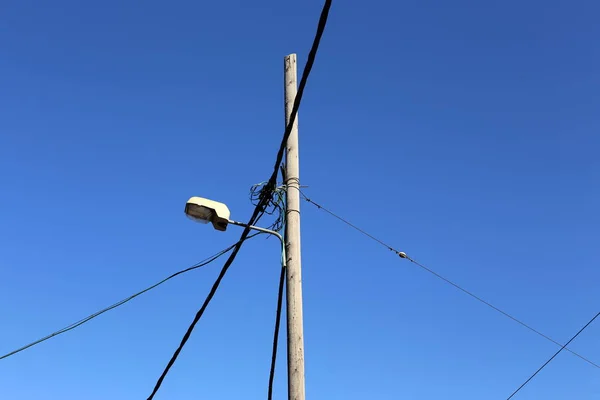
{"points": [[205, 211]]}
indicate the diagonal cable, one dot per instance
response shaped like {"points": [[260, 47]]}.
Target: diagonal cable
{"points": [[481, 300], [552, 358], [120, 303]]}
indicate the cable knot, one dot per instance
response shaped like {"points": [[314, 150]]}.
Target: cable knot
{"points": [[271, 199]]}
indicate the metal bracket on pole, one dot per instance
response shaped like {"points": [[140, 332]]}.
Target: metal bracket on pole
{"points": [[268, 231]]}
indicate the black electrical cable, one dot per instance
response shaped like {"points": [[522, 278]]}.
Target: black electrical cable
{"points": [[276, 332], [120, 303], [282, 276], [552, 358], [437, 275], [260, 208]]}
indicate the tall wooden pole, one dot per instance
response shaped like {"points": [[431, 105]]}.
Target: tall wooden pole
{"points": [[295, 330]]}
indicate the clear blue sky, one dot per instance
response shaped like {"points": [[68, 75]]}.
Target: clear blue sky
{"points": [[464, 133]]}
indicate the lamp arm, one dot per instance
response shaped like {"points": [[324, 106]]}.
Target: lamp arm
{"points": [[268, 231]]}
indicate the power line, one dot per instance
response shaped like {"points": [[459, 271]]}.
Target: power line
{"points": [[282, 277], [120, 303], [403, 255], [276, 332], [552, 358], [267, 190]]}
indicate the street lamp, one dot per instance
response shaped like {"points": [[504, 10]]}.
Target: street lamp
{"points": [[204, 211]]}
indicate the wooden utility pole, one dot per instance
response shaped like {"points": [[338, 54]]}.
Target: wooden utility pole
{"points": [[295, 330]]}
